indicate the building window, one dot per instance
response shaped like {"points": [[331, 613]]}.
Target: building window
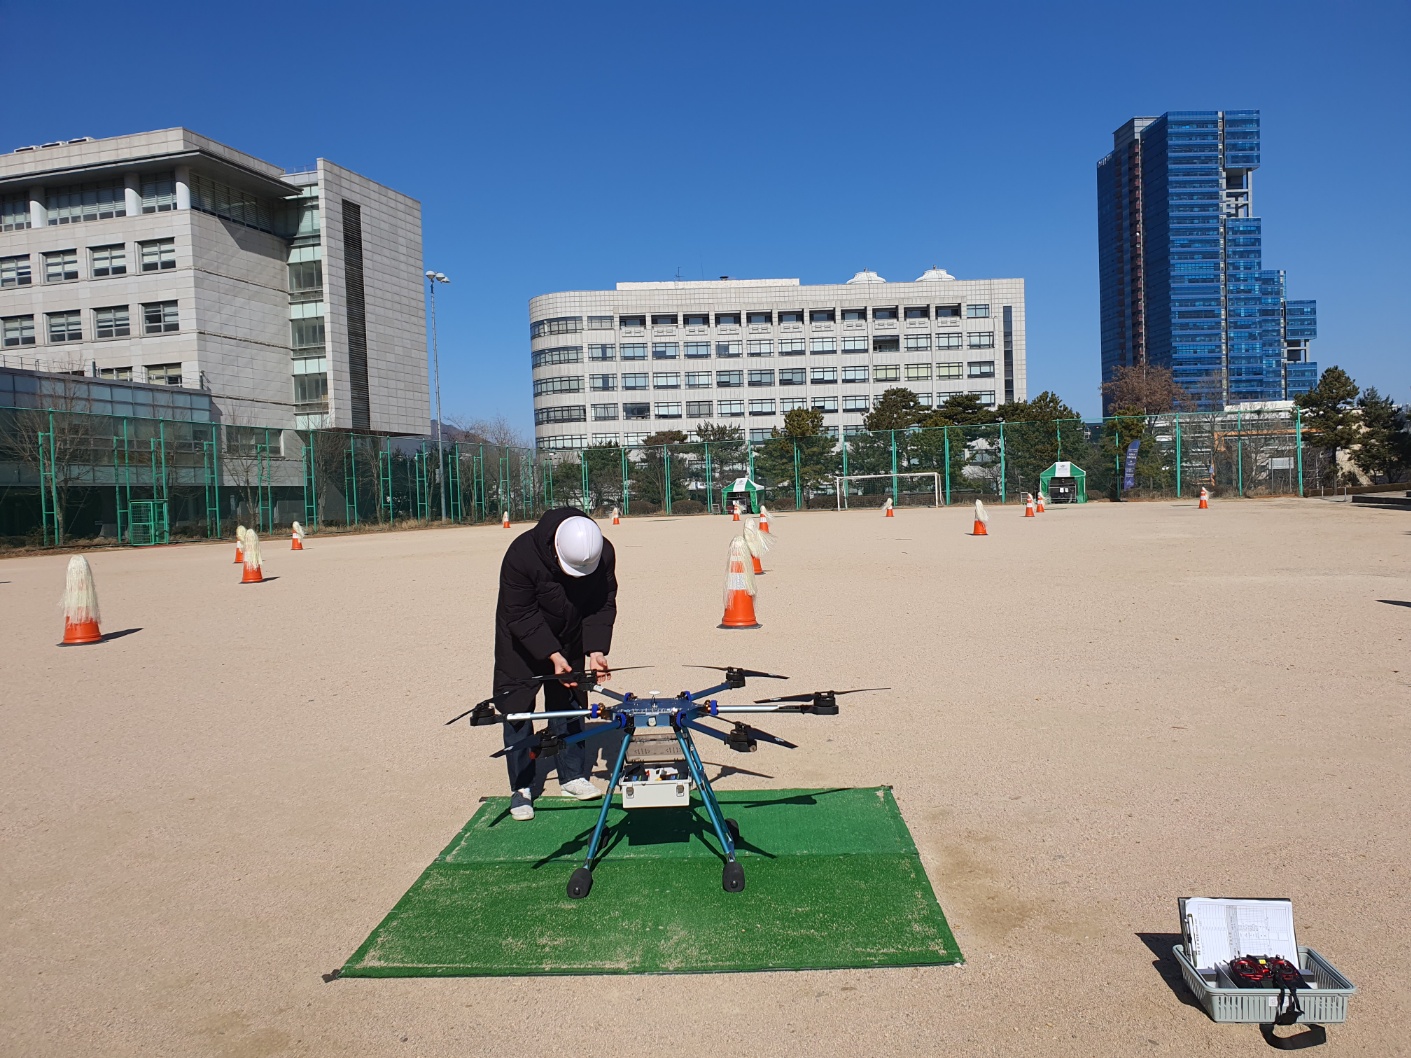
{"points": [[852, 431], [981, 340], [823, 376], [858, 403], [306, 333], [556, 325], [821, 315], [664, 319], [764, 347], [791, 347], [786, 316], [17, 331], [562, 441], [158, 256], [602, 383], [15, 271], [827, 405], [159, 192], [981, 369], [757, 318], [107, 260], [918, 312], [885, 313], [791, 376], [856, 344], [697, 350], [977, 312], [788, 404], [607, 438], [311, 388], [604, 412], [731, 409], [697, 320], [944, 371], [111, 322], [699, 409], [918, 343], [65, 327], [855, 374], [727, 319], [163, 374], [668, 411], [634, 350], [729, 379], [729, 349], [562, 384], [947, 312], [304, 276], [14, 212], [60, 266], [159, 317], [562, 354], [886, 373], [886, 345], [634, 380], [80, 202], [223, 200], [948, 341], [632, 321], [761, 378], [761, 407], [986, 397], [923, 399], [822, 346], [666, 380], [698, 380], [116, 374], [665, 350], [602, 352], [600, 323], [567, 413], [854, 315], [636, 411], [918, 372]]}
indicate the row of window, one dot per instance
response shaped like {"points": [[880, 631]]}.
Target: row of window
{"points": [[723, 409], [794, 376], [100, 200], [911, 343], [61, 266], [153, 374], [112, 321], [640, 438], [574, 324]]}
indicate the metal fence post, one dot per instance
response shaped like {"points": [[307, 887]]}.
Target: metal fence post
{"points": [[709, 482], [1239, 451], [945, 438], [1298, 442], [666, 478], [894, 465], [626, 501], [1002, 492], [798, 487]]}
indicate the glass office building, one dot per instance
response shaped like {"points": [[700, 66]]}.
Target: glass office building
{"points": [[1181, 262]]}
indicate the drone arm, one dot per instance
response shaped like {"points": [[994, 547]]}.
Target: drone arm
{"points": [[698, 695], [704, 730], [560, 714], [754, 709]]}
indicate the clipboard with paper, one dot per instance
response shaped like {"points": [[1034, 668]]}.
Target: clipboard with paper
{"points": [[1219, 929]]}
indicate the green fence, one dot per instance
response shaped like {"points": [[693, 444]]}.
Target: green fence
{"points": [[68, 477]]}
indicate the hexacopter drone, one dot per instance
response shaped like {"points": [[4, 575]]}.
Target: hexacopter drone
{"points": [[657, 742]]}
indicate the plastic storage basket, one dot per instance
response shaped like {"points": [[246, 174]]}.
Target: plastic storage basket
{"points": [[1325, 1003]]}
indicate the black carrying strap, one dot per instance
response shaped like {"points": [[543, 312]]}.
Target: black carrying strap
{"points": [[1287, 1012]]}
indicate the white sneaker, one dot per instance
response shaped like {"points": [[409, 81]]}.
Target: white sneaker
{"points": [[521, 805], [581, 789]]}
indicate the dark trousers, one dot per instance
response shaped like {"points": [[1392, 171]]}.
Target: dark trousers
{"points": [[572, 760]]}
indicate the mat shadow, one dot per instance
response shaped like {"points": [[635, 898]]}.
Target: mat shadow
{"points": [[1160, 945]]}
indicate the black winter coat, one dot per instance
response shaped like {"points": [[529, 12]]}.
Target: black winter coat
{"points": [[542, 610]]}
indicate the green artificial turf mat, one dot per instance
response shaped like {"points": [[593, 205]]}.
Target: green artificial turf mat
{"points": [[832, 880]]}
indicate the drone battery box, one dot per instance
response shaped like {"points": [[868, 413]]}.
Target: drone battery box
{"points": [[655, 793]]}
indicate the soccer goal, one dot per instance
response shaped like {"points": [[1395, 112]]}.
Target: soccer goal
{"points": [[841, 482]]}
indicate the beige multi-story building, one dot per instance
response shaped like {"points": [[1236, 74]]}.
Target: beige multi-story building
{"points": [[294, 299], [615, 366]]}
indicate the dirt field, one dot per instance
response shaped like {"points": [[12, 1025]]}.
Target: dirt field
{"points": [[1093, 713]]}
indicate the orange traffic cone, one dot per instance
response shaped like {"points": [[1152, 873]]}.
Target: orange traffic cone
{"points": [[80, 605], [739, 588], [735, 509], [505, 520], [296, 538], [615, 519], [1204, 499], [763, 519], [239, 544], [1029, 507], [981, 518], [887, 508], [1040, 506], [252, 573]]}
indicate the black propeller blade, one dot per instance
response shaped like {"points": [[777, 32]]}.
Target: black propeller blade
{"points": [[742, 672], [815, 694], [742, 738], [583, 677]]}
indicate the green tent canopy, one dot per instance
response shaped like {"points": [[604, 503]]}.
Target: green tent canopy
{"points": [[1064, 483], [742, 489]]}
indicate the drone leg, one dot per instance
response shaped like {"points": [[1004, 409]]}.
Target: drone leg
{"points": [[582, 879], [712, 806]]}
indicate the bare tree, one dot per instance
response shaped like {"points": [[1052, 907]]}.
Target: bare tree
{"points": [[1143, 389]]}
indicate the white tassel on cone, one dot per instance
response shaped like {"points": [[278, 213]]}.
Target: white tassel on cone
{"points": [[739, 570], [981, 515], [298, 530], [240, 532], [756, 541], [254, 572], [80, 595]]}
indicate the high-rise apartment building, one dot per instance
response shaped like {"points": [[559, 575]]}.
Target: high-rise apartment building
{"points": [[1183, 281], [615, 366], [293, 299]]}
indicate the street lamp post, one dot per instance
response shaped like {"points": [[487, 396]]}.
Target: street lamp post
{"points": [[432, 278]]}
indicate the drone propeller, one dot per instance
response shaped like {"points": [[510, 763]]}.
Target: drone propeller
{"points": [[582, 677], [815, 694], [483, 713], [735, 678]]}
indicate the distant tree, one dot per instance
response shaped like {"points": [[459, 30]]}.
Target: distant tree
{"points": [[803, 422], [800, 446], [1329, 420], [711, 431], [897, 409], [1142, 389], [655, 465], [960, 409], [1384, 444], [1037, 434], [665, 437]]}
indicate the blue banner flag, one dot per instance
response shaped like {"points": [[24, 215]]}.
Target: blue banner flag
{"points": [[1129, 478]]}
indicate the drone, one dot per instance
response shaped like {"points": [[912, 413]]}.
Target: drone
{"points": [[658, 764]]}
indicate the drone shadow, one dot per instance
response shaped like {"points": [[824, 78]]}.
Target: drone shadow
{"points": [[649, 828]]}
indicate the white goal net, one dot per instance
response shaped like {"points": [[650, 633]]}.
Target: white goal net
{"points": [[928, 481]]}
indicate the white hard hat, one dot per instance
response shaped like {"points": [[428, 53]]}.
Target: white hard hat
{"points": [[579, 544]]}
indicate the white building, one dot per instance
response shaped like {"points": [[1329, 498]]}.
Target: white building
{"points": [[614, 366], [294, 299]]}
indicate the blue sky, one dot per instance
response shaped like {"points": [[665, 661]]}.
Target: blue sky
{"points": [[567, 146]]}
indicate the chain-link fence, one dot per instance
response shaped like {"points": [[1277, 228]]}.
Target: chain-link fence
{"points": [[67, 477]]}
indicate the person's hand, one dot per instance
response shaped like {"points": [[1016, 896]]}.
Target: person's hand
{"points": [[599, 665], [561, 666]]}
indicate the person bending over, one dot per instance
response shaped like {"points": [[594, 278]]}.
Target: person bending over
{"points": [[557, 605]]}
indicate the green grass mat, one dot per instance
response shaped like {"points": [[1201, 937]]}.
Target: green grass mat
{"points": [[832, 880]]}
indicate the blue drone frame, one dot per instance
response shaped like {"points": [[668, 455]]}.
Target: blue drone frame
{"points": [[682, 716]]}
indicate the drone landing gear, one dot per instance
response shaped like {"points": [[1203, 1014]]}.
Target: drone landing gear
{"points": [[732, 880], [581, 884]]}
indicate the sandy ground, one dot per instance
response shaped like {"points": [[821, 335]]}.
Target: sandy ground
{"points": [[1093, 714]]}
